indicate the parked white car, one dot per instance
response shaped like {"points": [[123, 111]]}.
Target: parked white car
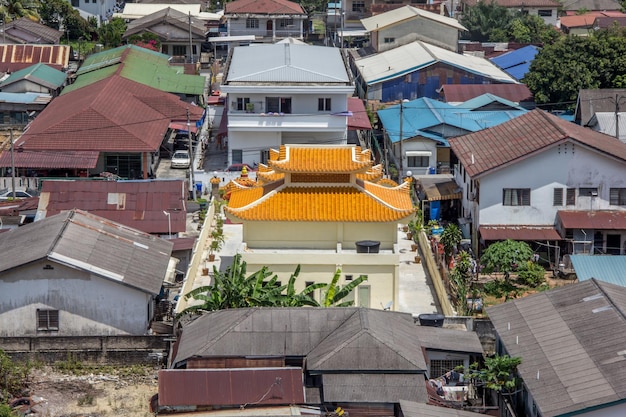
{"points": [[8, 194], [181, 159]]}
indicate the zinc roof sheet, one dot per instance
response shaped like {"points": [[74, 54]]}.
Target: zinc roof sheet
{"points": [[421, 409], [592, 219], [381, 21], [139, 10], [25, 98], [607, 268], [287, 63], [263, 7], [39, 73], [374, 388], [458, 93], [50, 160], [571, 342], [16, 57]]}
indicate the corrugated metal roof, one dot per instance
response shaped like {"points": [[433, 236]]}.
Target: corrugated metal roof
{"points": [[576, 5], [520, 232], [25, 98], [516, 57], [484, 151], [170, 25], [93, 244], [392, 17], [50, 160], [605, 123], [521, 3], [230, 387], [416, 409], [592, 219], [16, 57], [138, 204], [287, 63], [607, 268], [571, 342], [263, 7], [440, 188], [40, 74], [30, 31], [415, 55], [598, 100], [374, 388], [458, 93], [139, 10], [483, 101], [359, 119]]}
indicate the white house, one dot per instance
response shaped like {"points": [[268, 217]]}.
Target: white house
{"points": [[77, 274], [541, 178], [269, 20], [279, 94]]}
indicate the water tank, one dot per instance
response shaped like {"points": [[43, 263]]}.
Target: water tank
{"points": [[367, 246], [431, 320]]}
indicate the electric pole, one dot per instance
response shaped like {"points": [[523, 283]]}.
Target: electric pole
{"points": [[191, 158]]}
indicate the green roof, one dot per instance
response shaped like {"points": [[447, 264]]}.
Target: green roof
{"points": [[38, 73], [141, 65]]}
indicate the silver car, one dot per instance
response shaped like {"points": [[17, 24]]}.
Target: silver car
{"points": [[180, 159]]}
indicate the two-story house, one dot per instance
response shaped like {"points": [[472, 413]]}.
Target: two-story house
{"points": [[279, 94], [548, 10], [541, 178], [267, 21]]}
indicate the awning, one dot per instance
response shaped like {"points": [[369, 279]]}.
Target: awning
{"points": [[359, 120], [418, 153], [592, 219], [183, 126], [540, 233], [440, 189], [50, 159]]}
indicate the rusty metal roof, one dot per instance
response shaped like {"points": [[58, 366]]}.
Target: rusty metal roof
{"points": [[592, 219], [541, 233], [50, 159], [139, 204], [230, 387], [440, 188], [16, 57]]}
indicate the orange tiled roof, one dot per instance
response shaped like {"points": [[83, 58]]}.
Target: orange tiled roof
{"points": [[375, 174], [321, 204], [335, 159]]}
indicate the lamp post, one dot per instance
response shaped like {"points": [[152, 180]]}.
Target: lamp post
{"points": [[169, 223]]}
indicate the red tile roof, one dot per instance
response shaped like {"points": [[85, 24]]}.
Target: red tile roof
{"points": [[541, 233], [114, 115], [458, 93], [263, 7], [483, 151], [136, 204], [592, 219]]}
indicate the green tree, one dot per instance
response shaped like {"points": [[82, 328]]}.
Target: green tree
{"points": [[499, 373], [526, 28], [14, 9], [486, 21], [12, 375], [333, 293], [461, 276], [531, 274], [450, 238], [505, 256], [110, 34], [54, 12]]}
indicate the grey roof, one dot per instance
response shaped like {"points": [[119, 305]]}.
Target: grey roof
{"points": [[386, 341], [160, 23], [591, 101], [416, 409], [374, 388], [286, 63], [572, 344], [592, 5], [93, 244], [449, 339], [607, 268], [29, 31]]}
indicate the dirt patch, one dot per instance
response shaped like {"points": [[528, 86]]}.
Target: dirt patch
{"points": [[113, 393]]}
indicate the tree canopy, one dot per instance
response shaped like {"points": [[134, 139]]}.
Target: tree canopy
{"points": [[505, 256], [14, 9], [560, 70]]}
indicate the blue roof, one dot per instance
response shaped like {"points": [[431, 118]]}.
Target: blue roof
{"points": [[517, 62], [607, 268], [428, 118], [23, 98]]}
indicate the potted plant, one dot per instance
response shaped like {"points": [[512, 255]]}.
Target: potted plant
{"points": [[249, 107], [202, 202]]}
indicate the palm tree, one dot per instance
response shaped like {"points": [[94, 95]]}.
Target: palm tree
{"points": [[334, 293]]}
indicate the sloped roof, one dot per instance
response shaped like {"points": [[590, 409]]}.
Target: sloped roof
{"points": [[579, 20], [520, 3], [138, 10], [374, 388], [160, 23], [592, 5], [571, 342], [50, 159], [458, 93], [93, 244], [416, 55], [31, 32], [138, 204], [483, 101], [268, 7], [590, 101], [486, 150], [26, 98], [138, 64], [359, 120], [321, 189], [516, 62], [120, 115], [286, 63], [41, 74], [592, 219], [417, 409], [607, 268], [16, 57], [392, 17]]}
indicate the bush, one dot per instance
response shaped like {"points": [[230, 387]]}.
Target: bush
{"points": [[531, 274]]}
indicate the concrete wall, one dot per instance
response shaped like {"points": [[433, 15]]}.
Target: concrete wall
{"points": [[87, 304], [421, 29], [25, 86]]}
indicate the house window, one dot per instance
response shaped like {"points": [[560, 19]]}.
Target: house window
{"points": [[237, 156], [440, 367], [127, 166], [358, 6], [557, 199], [516, 197], [545, 13], [47, 320], [418, 161], [588, 192], [242, 103], [570, 198], [252, 23], [285, 23], [389, 40], [179, 50], [323, 104], [278, 104], [75, 3], [617, 196]]}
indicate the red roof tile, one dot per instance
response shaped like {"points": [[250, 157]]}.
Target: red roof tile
{"points": [[458, 93], [114, 114], [592, 219], [263, 7], [136, 204], [483, 151]]}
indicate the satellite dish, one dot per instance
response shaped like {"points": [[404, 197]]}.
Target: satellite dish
{"points": [[387, 306]]}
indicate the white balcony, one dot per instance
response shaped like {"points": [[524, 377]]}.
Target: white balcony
{"points": [[241, 121]]}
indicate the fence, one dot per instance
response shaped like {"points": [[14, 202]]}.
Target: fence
{"points": [[432, 266]]}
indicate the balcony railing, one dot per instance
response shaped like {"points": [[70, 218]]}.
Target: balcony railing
{"points": [[279, 33], [241, 120]]}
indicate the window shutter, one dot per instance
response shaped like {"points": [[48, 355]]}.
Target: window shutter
{"points": [[558, 197]]}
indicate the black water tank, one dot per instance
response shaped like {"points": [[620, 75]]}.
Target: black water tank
{"points": [[432, 320], [367, 246]]}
